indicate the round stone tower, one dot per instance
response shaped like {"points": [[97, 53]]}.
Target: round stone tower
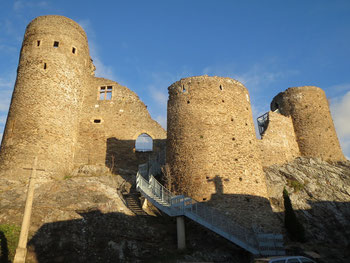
{"points": [[53, 72], [312, 121], [212, 148], [211, 142]]}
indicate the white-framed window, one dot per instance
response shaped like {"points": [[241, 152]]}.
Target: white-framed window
{"points": [[105, 92]]}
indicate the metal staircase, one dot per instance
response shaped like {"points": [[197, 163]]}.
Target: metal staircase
{"points": [[179, 205]]}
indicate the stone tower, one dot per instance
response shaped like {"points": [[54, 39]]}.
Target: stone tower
{"points": [[312, 121], [212, 148], [54, 69]]}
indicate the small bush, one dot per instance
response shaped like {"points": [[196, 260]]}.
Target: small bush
{"points": [[294, 228], [296, 185], [9, 235]]}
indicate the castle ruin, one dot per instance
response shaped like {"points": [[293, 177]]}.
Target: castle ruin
{"points": [[67, 117]]}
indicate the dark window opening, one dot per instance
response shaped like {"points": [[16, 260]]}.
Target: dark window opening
{"points": [[38, 43], [73, 50], [223, 101], [144, 143], [45, 66], [204, 199], [183, 88], [188, 102], [240, 178], [233, 139], [106, 92], [221, 87], [56, 43], [97, 121]]}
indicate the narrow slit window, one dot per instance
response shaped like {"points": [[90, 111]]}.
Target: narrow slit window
{"points": [[38, 43], [45, 66], [56, 44], [73, 50], [97, 121], [106, 93]]}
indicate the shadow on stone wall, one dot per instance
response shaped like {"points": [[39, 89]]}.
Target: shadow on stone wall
{"points": [[121, 156], [116, 237], [247, 210]]}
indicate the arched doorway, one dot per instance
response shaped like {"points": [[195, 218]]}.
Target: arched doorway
{"points": [[144, 143]]}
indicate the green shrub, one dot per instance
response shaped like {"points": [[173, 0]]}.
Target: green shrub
{"points": [[9, 235], [294, 228], [296, 185]]}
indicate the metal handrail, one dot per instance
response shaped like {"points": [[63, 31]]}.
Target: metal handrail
{"points": [[201, 213]]}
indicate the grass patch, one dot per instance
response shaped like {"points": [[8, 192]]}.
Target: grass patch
{"points": [[296, 185], [9, 235]]}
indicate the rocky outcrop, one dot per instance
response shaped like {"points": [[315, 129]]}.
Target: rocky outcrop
{"points": [[320, 195], [83, 217]]}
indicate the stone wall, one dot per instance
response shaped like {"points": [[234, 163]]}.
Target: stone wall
{"points": [[108, 128], [278, 144], [312, 121]]}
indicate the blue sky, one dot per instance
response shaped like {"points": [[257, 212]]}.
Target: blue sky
{"points": [[147, 45]]}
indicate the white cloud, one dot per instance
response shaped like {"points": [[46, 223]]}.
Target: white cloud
{"points": [[340, 108]]}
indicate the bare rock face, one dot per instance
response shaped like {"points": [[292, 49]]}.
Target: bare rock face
{"points": [[320, 195]]}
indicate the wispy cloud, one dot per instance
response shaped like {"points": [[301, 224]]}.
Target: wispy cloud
{"points": [[102, 70], [23, 5], [6, 87], [258, 76], [340, 108], [158, 90]]}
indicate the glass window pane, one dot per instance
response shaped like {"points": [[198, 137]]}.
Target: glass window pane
{"points": [[109, 95], [102, 95]]}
